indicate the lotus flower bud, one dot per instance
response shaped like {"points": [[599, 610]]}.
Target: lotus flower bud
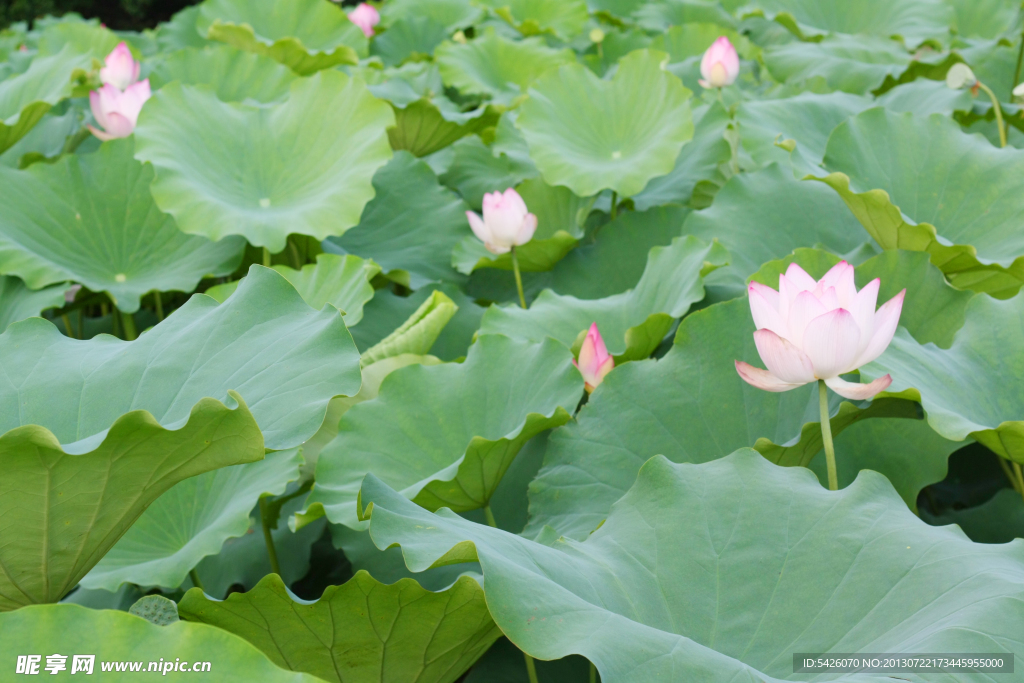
{"points": [[720, 65], [117, 112], [365, 17], [594, 362], [811, 330], [121, 70], [959, 76], [506, 222]]}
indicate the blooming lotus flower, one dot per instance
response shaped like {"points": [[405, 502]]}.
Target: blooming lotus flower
{"points": [[720, 65], [117, 112], [811, 330], [121, 70], [365, 17], [506, 223], [595, 362]]}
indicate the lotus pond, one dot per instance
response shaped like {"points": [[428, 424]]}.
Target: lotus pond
{"points": [[513, 341]]}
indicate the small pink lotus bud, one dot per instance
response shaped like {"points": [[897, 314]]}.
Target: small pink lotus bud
{"points": [[365, 17], [594, 362], [121, 70], [117, 112], [506, 222], [720, 65]]}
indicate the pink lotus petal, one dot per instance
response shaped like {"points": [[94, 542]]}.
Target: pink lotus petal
{"points": [[762, 379], [804, 308], [858, 392], [527, 229], [766, 317], [720, 65], [365, 17], [121, 69], [783, 359], [841, 277], [884, 327], [118, 126], [594, 360], [478, 226], [863, 311], [99, 133], [831, 342], [799, 277]]}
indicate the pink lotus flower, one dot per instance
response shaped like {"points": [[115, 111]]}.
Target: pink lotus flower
{"points": [[506, 223], [117, 112], [595, 362], [811, 330], [365, 17], [121, 70], [720, 65]]}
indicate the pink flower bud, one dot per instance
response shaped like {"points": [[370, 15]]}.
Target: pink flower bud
{"points": [[121, 70], [594, 362], [506, 222], [811, 330], [720, 65], [117, 112], [365, 17]]}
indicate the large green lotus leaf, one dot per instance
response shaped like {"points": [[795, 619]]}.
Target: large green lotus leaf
{"points": [[631, 131], [180, 32], [452, 14], [45, 141], [853, 64], [699, 160], [361, 632], [444, 435], [408, 38], [191, 521], [25, 98], [983, 18], [660, 15], [959, 194], [114, 636], [91, 219], [262, 171], [560, 218], [998, 520], [914, 20], [477, 169], [234, 75], [305, 35], [411, 225], [672, 586], [924, 97], [497, 67], [632, 323], [974, 388], [766, 215], [341, 281], [807, 118], [18, 302], [565, 19]]}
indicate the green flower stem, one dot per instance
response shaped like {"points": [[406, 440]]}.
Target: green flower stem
{"points": [[519, 278], [67, 324], [128, 324], [1016, 71], [615, 204], [826, 437], [266, 257], [1010, 474], [531, 668], [192, 574], [1020, 477], [159, 306], [275, 567], [999, 112], [593, 673]]}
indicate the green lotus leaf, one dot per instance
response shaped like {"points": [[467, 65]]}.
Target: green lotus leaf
{"points": [[853, 64], [180, 32], [18, 302], [452, 14], [234, 75], [632, 323], [984, 365], [434, 433], [477, 169], [156, 609], [410, 226], [361, 632], [87, 37], [924, 97], [409, 38], [565, 19], [645, 597], [998, 520], [115, 637], [961, 191], [417, 334], [766, 215], [305, 35], [25, 98], [225, 169], [191, 521], [913, 21], [91, 219], [632, 130], [341, 281], [504, 663], [45, 141], [983, 18], [560, 217], [691, 406], [661, 14], [497, 67], [692, 39], [699, 160]]}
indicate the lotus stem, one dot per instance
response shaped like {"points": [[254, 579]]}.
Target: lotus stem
{"points": [[519, 278], [67, 324], [296, 258], [159, 306], [999, 112], [1016, 71], [1010, 474], [615, 204], [194, 575], [490, 516], [593, 673], [1020, 477], [826, 437], [128, 325], [275, 567], [266, 257], [531, 668]]}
